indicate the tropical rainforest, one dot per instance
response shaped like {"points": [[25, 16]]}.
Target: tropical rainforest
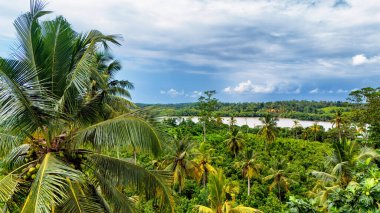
{"points": [[72, 141]]}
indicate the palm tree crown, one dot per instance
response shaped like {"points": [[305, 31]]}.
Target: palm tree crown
{"points": [[56, 124]]}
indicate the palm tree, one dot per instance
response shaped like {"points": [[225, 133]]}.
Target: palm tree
{"points": [[344, 158], [315, 128], [250, 169], [204, 160], [235, 142], [54, 127], [296, 124], [217, 197], [279, 178], [181, 161], [268, 130], [337, 122]]}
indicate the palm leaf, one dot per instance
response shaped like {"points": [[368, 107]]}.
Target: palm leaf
{"points": [[8, 186], [15, 158], [123, 172], [203, 209], [8, 142], [243, 209], [79, 200], [120, 202], [123, 130], [50, 186], [325, 177]]}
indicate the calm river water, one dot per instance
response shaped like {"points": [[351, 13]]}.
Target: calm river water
{"points": [[254, 121]]}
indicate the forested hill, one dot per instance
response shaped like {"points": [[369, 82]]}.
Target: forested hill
{"points": [[303, 110]]}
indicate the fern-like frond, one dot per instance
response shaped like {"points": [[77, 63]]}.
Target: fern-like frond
{"points": [[49, 189], [154, 183], [121, 131]]}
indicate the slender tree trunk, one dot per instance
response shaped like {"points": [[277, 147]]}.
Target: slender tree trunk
{"points": [[204, 179], [204, 132], [249, 186], [135, 156], [279, 191]]}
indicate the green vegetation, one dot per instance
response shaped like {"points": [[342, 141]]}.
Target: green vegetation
{"points": [[71, 141], [301, 110]]}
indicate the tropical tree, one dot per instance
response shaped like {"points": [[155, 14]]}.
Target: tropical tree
{"points": [[250, 169], [204, 159], [235, 142], [181, 161], [55, 128], [315, 128], [217, 197], [343, 160], [279, 178], [337, 122], [207, 105], [268, 130], [295, 127]]}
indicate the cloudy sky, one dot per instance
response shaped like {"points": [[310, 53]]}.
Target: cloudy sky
{"points": [[246, 50]]}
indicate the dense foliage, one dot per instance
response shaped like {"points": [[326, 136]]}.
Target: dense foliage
{"points": [[302, 110], [71, 141]]}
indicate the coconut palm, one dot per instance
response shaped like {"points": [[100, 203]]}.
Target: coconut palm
{"points": [[250, 169], [279, 178], [315, 128], [343, 160], [268, 130], [55, 128], [338, 123], [296, 125], [217, 186], [204, 160], [181, 161], [235, 142]]}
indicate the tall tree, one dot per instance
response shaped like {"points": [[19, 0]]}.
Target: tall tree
{"points": [[217, 197], [315, 128], [250, 169], [207, 105], [268, 130], [235, 142], [54, 126], [181, 161]]}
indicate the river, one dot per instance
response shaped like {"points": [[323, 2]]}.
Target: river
{"points": [[254, 121]]}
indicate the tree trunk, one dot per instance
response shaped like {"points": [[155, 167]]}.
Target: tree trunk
{"points": [[249, 186], [279, 191], [204, 132], [135, 156], [204, 179]]}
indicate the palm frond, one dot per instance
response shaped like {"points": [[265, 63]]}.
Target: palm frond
{"points": [[325, 177], [203, 209], [8, 186], [22, 98], [154, 183], [50, 186], [120, 202], [8, 142], [244, 209], [15, 158], [79, 200], [121, 131]]}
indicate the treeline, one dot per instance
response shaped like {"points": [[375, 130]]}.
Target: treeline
{"points": [[302, 110]]}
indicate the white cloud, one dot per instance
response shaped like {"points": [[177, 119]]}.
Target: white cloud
{"points": [[248, 87], [314, 91], [270, 87], [195, 94], [172, 93], [342, 91], [362, 59]]}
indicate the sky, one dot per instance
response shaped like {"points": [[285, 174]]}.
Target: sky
{"points": [[246, 50]]}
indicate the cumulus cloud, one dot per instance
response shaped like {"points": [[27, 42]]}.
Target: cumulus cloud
{"points": [[195, 94], [314, 91], [362, 59], [172, 92], [249, 87]]}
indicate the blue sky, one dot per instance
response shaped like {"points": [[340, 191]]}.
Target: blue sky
{"points": [[259, 50]]}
